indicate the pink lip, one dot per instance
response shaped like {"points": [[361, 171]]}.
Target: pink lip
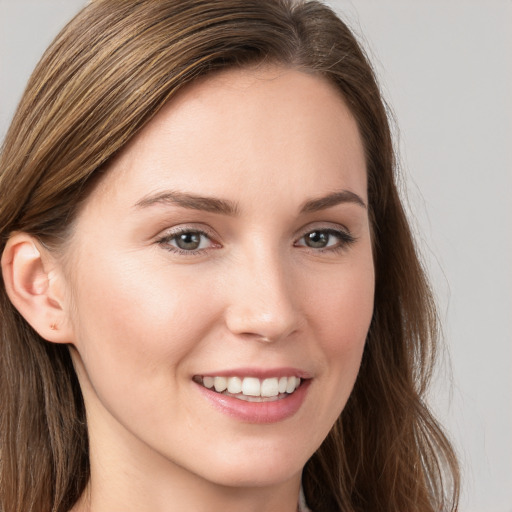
{"points": [[257, 412], [260, 373]]}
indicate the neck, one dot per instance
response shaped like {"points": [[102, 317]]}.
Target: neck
{"points": [[120, 492], [130, 477], [177, 499]]}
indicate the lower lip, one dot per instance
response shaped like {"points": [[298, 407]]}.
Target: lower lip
{"points": [[258, 412]]}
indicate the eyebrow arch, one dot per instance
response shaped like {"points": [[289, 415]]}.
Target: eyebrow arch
{"points": [[330, 200], [191, 201]]}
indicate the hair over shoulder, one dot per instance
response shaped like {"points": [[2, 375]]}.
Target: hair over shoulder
{"points": [[109, 71]]}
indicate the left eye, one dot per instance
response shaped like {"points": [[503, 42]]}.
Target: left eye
{"points": [[188, 241], [325, 238]]}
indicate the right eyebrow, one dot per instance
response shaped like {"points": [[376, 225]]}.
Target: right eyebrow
{"points": [[190, 201]]}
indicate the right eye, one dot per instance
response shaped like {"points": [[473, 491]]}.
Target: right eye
{"points": [[187, 241]]}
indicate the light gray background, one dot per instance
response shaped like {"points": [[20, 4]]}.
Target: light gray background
{"points": [[445, 66]]}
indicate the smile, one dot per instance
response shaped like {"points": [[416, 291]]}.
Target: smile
{"points": [[251, 389]]}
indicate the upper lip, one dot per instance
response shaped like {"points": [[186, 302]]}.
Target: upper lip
{"points": [[259, 373]]}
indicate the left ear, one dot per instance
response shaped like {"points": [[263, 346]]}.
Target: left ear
{"points": [[36, 287]]}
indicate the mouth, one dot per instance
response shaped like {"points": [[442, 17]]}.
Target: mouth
{"points": [[251, 389]]}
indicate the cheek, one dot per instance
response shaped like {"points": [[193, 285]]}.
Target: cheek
{"points": [[343, 309], [136, 328], [131, 318], [343, 305]]}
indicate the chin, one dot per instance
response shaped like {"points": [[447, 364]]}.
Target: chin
{"points": [[256, 466], [256, 475]]}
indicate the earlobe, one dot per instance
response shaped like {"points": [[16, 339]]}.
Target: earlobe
{"points": [[32, 284]]}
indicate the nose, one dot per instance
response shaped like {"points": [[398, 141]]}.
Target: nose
{"points": [[262, 300]]}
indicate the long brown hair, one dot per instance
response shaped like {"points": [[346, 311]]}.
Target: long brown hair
{"points": [[104, 77]]}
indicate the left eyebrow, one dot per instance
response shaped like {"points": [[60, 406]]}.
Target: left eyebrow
{"points": [[330, 200]]}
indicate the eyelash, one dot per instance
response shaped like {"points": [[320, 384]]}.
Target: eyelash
{"points": [[345, 240]]}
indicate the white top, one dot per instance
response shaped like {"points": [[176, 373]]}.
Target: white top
{"points": [[302, 502]]}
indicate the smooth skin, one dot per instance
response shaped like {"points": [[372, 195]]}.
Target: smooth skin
{"points": [[155, 287]]}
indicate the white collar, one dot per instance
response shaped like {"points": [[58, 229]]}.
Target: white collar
{"points": [[302, 502]]}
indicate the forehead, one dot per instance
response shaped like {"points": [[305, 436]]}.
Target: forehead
{"points": [[248, 128]]}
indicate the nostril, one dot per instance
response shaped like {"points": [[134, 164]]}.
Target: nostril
{"points": [[265, 338]]}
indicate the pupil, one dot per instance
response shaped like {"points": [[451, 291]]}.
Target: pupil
{"points": [[188, 241], [317, 239]]}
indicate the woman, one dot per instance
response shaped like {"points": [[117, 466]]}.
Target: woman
{"points": [[211, 298]]}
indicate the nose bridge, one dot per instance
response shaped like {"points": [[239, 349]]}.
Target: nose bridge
{"points": [[261, 302]]}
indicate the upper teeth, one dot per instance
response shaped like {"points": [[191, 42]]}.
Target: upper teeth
{"points": [[251, 386]]}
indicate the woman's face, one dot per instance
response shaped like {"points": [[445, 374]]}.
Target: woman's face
{"points": [[228, 244]]}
